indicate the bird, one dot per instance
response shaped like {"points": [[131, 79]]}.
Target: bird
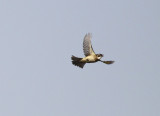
{"points": [[90, 55]]}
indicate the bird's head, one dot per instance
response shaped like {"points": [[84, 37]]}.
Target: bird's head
{"points": [[99, 56]]}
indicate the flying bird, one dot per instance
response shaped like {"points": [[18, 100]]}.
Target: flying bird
{"points": [[90, 56]]}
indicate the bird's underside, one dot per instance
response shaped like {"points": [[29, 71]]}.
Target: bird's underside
{"points": [[78, 61], [91, 57]]}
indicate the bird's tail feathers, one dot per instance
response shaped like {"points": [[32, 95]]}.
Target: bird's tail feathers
{"points": [[76, 61]]}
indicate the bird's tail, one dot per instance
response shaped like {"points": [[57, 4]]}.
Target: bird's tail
{"points": [[76, 61]]}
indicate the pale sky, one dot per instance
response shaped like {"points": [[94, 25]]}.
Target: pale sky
{"points": [[38, 37]]}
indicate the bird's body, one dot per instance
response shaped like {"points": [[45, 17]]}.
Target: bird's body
{"points": [[91, 57]]}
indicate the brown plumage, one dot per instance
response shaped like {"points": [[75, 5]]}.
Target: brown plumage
{"points": [[77, 61], [91, 57]]}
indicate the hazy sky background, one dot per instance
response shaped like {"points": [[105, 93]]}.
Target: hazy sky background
{"points": [[38, 37]]}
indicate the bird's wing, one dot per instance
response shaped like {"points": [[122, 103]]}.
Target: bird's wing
{"points": [[107, 62], [87, 46]]}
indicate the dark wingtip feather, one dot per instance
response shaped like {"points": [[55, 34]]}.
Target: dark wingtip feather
{"points": [[108, 62]]}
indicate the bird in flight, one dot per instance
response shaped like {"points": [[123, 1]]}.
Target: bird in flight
{"points": [[91, 57]]}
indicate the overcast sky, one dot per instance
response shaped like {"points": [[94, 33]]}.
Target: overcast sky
{"points": [[38, 37]]}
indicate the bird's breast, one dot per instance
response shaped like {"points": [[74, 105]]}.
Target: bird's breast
{"points": [[89, 59]]}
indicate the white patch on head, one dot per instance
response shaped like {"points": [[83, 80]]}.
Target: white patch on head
{"points": [[99, 57]]}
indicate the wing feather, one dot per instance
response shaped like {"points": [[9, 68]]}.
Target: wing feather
{"points": [[87, 46]]}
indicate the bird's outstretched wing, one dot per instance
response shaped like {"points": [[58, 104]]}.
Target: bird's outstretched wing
{"points": [[87, 46], [107, 62]]}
